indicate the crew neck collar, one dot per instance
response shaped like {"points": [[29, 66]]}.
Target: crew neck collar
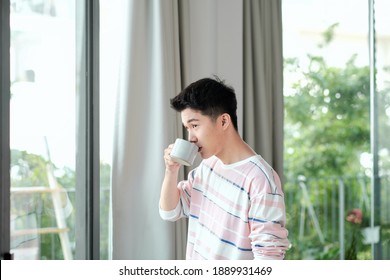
{"points": [[235, 164]]}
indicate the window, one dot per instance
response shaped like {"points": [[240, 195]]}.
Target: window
{"points": [[51, 125], [43, 129], [328, 129]]}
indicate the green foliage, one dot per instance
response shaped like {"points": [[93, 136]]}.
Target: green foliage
{"points": [[30, 170], [326, 119], [328, 35], [34, 210], [330, 252], [327, 128], [67, 178], [105, 184]]}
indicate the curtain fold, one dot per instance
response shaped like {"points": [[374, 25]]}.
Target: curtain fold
{"points": [[144, 126], [263, 80]]}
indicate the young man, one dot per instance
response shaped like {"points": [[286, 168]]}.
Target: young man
{"points": [[233, 199]]}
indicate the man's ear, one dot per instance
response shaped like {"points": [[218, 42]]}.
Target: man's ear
{"points": [[225, 120]]}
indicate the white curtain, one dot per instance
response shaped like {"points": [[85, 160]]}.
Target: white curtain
{"points": [[144, 126]]}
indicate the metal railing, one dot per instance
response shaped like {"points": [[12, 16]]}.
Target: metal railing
{"points": [[316, 215], [315, 207], [36, 233]]}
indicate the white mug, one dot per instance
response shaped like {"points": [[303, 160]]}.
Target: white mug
{"points": [[184, 152]]}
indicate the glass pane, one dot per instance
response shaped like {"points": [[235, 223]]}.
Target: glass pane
{"points": [[42, 129], [111, 36], [383, 89], [327, 128]]}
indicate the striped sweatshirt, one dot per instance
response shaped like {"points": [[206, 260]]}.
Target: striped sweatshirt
{"points": [[235, 211]]}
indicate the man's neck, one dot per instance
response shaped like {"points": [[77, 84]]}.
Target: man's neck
{"points": [[235, 150]]}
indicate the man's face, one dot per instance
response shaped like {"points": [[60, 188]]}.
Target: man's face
{"points": [[202, 131]]}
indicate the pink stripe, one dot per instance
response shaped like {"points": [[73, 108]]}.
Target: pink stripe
{"points": [[220, 196]]}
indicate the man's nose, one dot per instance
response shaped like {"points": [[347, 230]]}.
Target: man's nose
{"points": [[191, 137]]}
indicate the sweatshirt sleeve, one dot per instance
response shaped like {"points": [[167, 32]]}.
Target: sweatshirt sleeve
{"points": [[267, 220], [171, 215]]}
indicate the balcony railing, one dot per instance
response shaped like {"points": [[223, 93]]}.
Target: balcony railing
{"points": [[316, 210], [38, 227], [316, 216]]}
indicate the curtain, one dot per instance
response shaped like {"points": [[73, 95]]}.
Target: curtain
{"points": [[144, 126], [263, 80]]}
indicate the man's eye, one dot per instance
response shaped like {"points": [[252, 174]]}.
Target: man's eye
{"points": [[194, 125]]}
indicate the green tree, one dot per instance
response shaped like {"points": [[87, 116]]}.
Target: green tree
{"points": [[327, 129], [30, 170], [35, 209], [327, 122]]}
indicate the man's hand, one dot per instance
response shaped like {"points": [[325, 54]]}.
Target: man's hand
{"points": [[170, 165]]}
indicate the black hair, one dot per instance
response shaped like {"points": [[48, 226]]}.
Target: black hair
{"points": [[212, 97]]}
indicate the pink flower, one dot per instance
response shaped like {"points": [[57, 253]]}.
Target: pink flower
{"points": [[355, 216]]}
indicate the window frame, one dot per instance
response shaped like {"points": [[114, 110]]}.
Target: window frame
{"points": [[87, 142], [5, 130], [87, 146]]}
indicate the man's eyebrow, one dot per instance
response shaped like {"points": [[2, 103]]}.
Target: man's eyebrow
{"points": [[192, 120]]}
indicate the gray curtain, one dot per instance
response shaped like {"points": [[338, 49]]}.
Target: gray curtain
{"points": [[263, 80], [144, 126]]}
